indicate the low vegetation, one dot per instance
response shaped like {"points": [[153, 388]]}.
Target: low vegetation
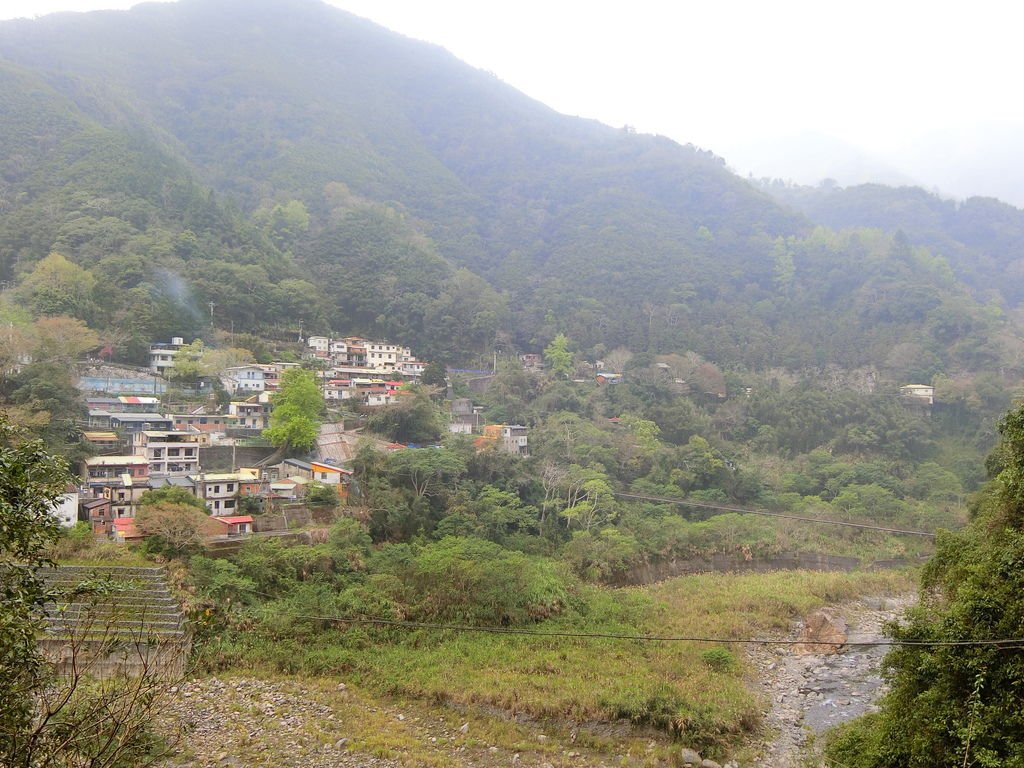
{"points": [[310, 610]]}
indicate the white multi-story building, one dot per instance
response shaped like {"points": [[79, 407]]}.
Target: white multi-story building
{"points": [[321, 345], [920, 393], [66, 508], [410, 367], [221, 491], [161, 356], [386, 357], [353, 352], [244, 379], [170, 453]]}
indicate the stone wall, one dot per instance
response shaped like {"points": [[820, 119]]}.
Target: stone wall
{"points": [[218, 458], [111, 657]]}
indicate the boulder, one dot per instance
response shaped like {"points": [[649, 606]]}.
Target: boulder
{"points": [[690, 757], [823, 632], [705, 763]]}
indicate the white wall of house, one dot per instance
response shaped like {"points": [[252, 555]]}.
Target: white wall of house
{"points": [[66, 509]]}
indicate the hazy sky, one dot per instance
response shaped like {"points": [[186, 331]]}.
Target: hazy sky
{"points": [[879, 75]]}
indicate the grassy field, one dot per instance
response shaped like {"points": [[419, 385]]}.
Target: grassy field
{"points": [[696, 691]]}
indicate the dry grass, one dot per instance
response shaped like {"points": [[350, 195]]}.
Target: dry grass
{"points": [[666, 685]]}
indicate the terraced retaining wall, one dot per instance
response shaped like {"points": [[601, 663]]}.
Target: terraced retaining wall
{"points": [[114, 621]]}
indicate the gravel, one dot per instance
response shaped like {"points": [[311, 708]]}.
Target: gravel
{"points": [[812, 693]]}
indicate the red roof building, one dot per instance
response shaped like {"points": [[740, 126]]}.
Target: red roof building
{"points": [[238, 525]]}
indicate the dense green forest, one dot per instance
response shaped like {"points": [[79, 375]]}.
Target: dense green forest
{"points": [[981, 238], [311, 167], [313, 171]]}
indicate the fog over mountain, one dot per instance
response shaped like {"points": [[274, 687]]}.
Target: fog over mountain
{"points": [[980, 160], [809, 158], [392, 189]]}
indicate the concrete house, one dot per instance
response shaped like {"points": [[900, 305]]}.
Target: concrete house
{"points": [[244, 380], [161, 356], [514, 440], [237, 525], [169, 452], [252, 413], [923, 394], [222, 490], [100, 515], [66, 508]]}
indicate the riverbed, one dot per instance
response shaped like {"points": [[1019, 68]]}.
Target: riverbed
{"points": [[806, 695]]}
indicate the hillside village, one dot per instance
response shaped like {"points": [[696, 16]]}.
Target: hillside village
{"points": [[217, 453], [393, 417], [142, 442]]}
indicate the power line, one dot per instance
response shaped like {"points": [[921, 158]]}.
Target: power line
{"points": [[1002, 644], [767, 513]]}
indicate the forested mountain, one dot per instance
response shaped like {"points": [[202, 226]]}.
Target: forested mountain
{"points": [[288, 162], [982, 238]]}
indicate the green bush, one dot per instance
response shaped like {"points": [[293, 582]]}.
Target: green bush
{"points": [[602, 555], [719, 659], [477, 581], [221, 581]]}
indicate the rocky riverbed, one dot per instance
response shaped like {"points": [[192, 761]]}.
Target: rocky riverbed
{"points": [[321, 723], [242, 722], [812, 692]]}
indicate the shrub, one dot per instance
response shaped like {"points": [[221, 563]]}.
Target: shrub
{"points": [[719, 659], [477, 581], [602, 555]]}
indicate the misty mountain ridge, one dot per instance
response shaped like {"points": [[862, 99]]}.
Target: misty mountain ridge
{"points": [[809, 158], [957, 163], [444, 207]]}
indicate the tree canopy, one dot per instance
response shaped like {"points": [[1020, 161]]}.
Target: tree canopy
{"points": [[298, 406], [959, 704]]}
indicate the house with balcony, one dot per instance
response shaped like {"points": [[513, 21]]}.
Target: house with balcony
{"points": [[103, 441], [514, 440], [99, 469], [222, 490], [161, 356], [244, 380], [252, 413], [124, 497], [121, 480], [170, 452]]}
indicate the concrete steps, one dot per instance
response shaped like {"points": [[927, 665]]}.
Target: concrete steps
{"points": [[118, 601]]}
